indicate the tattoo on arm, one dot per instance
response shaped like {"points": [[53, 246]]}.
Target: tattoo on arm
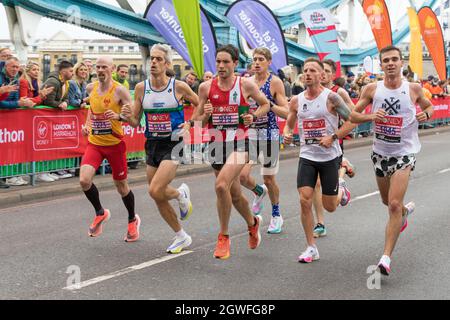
{"points": [[340, 106]]}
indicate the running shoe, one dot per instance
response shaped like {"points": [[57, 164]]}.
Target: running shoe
{"points": [[185, 202], [275, 225], [385, 265], [410, 206], [346, 195], [254, 236], [320, 231], [179, 244], [349, 167], [258, 204], [133, 230], [96, 228], [223, 247], [311, 254]]}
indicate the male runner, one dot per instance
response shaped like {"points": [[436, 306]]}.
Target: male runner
{"points": [[318, 110], [104, 128], [346, 166], [159, 98], [264, 137], [396, 140], [228, 125]]}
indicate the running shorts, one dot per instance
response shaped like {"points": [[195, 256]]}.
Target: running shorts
{"points": [[266, 153], [116, 156], [158, 151], [218, 152], [386, 166], [308, 171]]}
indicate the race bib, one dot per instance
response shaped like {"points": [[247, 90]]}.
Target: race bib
{"points": [[261, 122], [225, 117], [314, 130], [100, 124], [389, 130], [159, 123]]}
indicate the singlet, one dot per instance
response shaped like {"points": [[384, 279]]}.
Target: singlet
{"points": [[265, 127], [398, 135], [163, 112], [316, 122], [228, 107], [105, 132]]}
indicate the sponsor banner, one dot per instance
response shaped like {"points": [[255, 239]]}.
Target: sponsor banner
{"points": [[260, 28], [434, 39], [378, 15], [161, 14], [415, 47], [322, 29]]}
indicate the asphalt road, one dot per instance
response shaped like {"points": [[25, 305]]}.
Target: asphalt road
{"points": [[43, 241]]}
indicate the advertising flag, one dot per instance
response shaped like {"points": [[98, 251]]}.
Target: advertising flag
{"points": [[378, 15], [415, 48]]}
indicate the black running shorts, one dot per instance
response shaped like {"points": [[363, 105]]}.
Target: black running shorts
{"points": [[159, 150], [308, 171], [218, 152]]}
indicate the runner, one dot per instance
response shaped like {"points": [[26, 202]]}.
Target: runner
{"points": [[346, 167], [264, 137], [396, 141], [318, 110], [228, 125], [160, 99], [106, 141]]}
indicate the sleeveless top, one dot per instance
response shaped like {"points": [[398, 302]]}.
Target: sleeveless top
{"points": [[398, 134], [315, 122], [228, 107], [105, 132], [163, 112], [265, 127]]}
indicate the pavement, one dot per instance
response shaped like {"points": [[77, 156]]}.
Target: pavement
{"points": [[46, 249], [54, 190]]}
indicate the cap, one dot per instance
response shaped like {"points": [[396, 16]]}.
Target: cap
{"points": [[350, 74]]}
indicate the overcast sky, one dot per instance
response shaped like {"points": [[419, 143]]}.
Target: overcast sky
{"points": [[49, 27]]}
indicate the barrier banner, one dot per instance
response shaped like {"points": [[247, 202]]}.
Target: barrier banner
{"points": [[322, 29], [378, 15], [434, 39], [260, 28], [161, 14]]}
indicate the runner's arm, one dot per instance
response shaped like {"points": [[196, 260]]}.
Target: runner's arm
{"points": [[425, 105], [281, 108], [365, 99], [253, 92], [133, 111], [292, 116], [201, 113]]}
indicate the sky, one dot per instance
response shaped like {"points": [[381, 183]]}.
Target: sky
{"points": [[49, 27]]}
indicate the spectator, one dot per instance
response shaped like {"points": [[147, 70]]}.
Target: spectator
{"points": [[354, 91], [59, 81], [5, 54], [77, 86], [436, 90], [287, 85], [6, 90], [92, 76], [208, 75], [350, 80], [191, 80], [10, 76], [29, 84], [298, 86], [121, 75]]}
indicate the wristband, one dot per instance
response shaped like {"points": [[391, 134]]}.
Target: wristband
{"points": [[334, 136], [122, 118], [428, 115], [191, 123]]}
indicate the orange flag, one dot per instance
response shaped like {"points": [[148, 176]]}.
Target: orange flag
{"points": [[433, 38], [378, 15]]}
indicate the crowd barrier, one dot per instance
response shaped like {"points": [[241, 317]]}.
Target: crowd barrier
{"points": [[46, 140]]}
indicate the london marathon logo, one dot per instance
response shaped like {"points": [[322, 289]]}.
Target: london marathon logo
{"points": [[317, 18]]}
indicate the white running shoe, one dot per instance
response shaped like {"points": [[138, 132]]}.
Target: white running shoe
{"points": [[16, 181], [62, 174], [54, 176], [185, 202], [410, 206], [258, 205], [311, 254], [385, 265], [346, 193], [179, 244], [275, 225], [45, 177]]}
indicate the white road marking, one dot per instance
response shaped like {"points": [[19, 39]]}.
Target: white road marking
{"points": [[119, 273], [365, 196], [444, 171]]}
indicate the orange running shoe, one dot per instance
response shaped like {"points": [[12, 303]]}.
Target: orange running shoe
{"points": [[133, 230], [223, 247], [96, 228], [349, 168], [254, 236]]}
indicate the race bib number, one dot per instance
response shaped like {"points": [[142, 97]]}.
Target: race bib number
{"points": [[261, 122], [314, 130], [100, 124], [225, 117], [389, 130], [159, 123]]}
